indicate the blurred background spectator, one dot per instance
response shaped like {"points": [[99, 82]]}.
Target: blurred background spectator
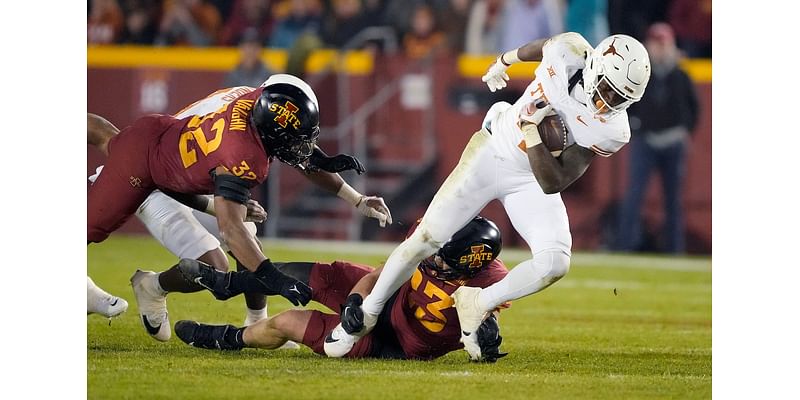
{"points": [[454, 24], [105, 22], [527, 20], [484, 27], [424, 36], [141, 21], [692, 22], [661, 125], [250, 71], [189, 23], [345, 21], [295, 18], [245, 15]]}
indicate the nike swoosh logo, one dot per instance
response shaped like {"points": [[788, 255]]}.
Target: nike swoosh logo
{"points": [[465, 333], [114, 303], [330, 339], [150, 328], [578, 117]]}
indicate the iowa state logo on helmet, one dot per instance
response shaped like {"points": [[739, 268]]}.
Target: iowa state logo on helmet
{"points": [[477, 255], [285, 114]]}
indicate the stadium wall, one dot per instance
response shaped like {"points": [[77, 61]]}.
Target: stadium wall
{"points": [[126, 82]]}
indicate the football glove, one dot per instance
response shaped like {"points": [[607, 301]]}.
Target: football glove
{"points": [[276, 282], [496, 76], [375, 207], [338, 163], [352, 316], [489, 340]]}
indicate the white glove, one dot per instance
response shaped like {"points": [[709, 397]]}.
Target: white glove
{"points": [[496, 76], [533, 114], [374, 207], [255, 213]]}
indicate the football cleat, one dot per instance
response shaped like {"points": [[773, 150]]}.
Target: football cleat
{"points": [[212, 337], [470, 317], [152, 306], [338, 342], [98, 301]]}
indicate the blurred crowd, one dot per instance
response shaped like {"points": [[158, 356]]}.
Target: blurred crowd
{"points": [[419, 27]]}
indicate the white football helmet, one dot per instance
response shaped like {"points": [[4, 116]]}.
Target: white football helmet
{"points": [[615, 75]]}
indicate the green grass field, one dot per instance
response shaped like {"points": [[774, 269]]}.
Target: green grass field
{"points": [[616, 327]]}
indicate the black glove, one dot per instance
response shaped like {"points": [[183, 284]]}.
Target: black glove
{"points": [[276, 282], [352, 315], [338, 163], [489, 339]]}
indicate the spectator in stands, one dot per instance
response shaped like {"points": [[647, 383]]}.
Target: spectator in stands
{"points": [[247, 14], [527, 20], [589, 18], [425, 36], [692, 22], [345, 22], [250, 71], [661, 125], [484, 27], [189, 22], [141, 21], [105, 22], [454, 24], [302, 17], [633, 17]]}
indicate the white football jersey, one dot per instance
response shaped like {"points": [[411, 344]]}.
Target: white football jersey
{"points": [[563, 56]]}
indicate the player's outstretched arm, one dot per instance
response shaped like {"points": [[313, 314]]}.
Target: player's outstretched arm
{"points": [[231, 194], [496, 76], [369, 206], [352, 316]]}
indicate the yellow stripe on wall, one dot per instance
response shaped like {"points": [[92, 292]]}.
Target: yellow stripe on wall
{"points": [[470, 66], [354, 62], [217, 58]]}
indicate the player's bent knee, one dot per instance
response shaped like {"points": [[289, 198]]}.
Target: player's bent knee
{"points": [[422, 242], [559, 264]]}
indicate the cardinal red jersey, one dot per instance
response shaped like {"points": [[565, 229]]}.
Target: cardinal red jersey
{"points": [[185, 153], [423, 315]]}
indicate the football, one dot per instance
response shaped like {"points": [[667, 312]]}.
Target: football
{"points": [[553, 132]]}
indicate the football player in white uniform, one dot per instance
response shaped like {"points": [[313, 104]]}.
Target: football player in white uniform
{"points": [[506, 160]]}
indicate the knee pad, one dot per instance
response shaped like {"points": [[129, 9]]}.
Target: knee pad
{"points": [[559, 262], [424, 241], [495, 109]]}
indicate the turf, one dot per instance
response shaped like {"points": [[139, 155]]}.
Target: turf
{"points": [[615, 327]]}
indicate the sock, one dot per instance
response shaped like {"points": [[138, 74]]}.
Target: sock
{"points": [[256, 315], [155, 286]]}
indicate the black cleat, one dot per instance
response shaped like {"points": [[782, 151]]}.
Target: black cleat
{"points": [[206, 276], [212, 337]]}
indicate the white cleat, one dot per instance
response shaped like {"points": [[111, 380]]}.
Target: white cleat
{"points": [[470, 317], [152, 306], [338, 342], [108, 306]]}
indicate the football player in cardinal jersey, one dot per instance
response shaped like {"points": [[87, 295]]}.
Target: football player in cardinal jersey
{"points": [[506, 160], [418, 322], [220, 145]]}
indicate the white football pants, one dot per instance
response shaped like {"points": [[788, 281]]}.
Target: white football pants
{"points": [[483, 174]]}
